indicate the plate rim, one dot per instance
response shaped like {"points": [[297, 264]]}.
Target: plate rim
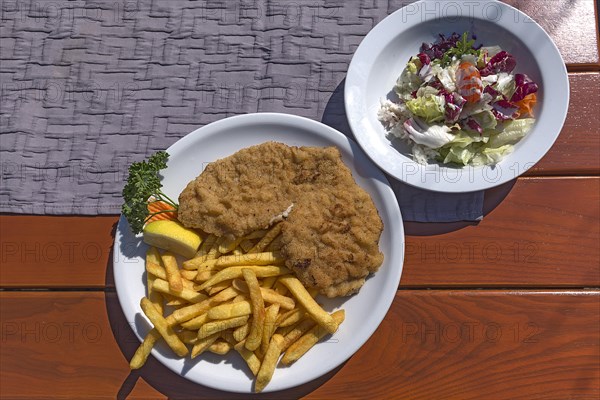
{"points": [[390, 22], [376, 175]]}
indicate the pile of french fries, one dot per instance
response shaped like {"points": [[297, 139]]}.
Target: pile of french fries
{"points": [[233, 295]]}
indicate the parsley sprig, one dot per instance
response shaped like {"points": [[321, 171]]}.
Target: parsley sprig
{"points": [[143, 184]]}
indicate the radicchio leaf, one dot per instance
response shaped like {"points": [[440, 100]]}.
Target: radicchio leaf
{"points": [[424, 58], [504, 110], [491, 91], [474, 125], [443, 44], [501, 62], [454, 106], [525, 86]]}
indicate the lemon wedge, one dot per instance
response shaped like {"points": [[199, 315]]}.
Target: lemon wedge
{"points": [[171, 235]]}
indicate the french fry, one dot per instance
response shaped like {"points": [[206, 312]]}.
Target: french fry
{"points": [[156, 270], [236, 272], [265, 373], [206, 245], [265, 258], [218, 287], [248, 356], [153, 259], [172, 270], [217, 326], [258, 310], [195, 323], [189, 275], [246, 245], [203, 276], [283, 331], [291, 317], [296, 333], [311, 306], [196, 264], [266, 240], [270, 326], [159, 272], [230, 310], [186, 313], [153, 256], [224, 295], [260, 354], [259, 234], [213, 253], [163, 328], [268, 282], [240, 297], [142, 352], [275, 245], [280, 288], [227, 335], [220, 347], [229, 244], [185, 294], [174, 301], [188, 337], [269, 295], [187, 284], [203, 344], [241, 332], [193, 263], [309, 339]]}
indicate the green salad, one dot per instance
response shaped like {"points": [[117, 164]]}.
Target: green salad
{"points": [[460, 104]]}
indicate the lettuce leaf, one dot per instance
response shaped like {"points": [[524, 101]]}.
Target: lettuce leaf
{"points": [[430, 107], [485, 119], [432, 136], [511, 132], [491, 155], [506, 84], [409, 81], [461, 155], [463, 139]]}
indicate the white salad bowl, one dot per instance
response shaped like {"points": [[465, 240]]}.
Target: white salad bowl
{"points": [[384, 52]]}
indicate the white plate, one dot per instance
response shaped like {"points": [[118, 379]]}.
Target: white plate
{"points": [[384, 52], [364, 311]]}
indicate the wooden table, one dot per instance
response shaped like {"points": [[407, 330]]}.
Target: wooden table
{"points": [[507, 308]]}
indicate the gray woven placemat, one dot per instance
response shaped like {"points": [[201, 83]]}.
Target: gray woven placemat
{"points": [[89, 87]]}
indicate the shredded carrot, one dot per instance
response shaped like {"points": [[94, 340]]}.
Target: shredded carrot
{"points": [[526, 105], [157, 206]]}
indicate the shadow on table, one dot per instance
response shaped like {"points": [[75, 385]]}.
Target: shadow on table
{"points": [[492, 198], [334, 115], [168, 382]]}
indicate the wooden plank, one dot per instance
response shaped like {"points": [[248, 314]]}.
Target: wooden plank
{"points": [[556, 246], [577, 149], [432, 344], [542, 232], [572, 25], [474, 345], [56, 251]]}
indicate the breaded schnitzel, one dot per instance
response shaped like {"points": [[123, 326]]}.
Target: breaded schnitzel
{"points": [[330, 238]]}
